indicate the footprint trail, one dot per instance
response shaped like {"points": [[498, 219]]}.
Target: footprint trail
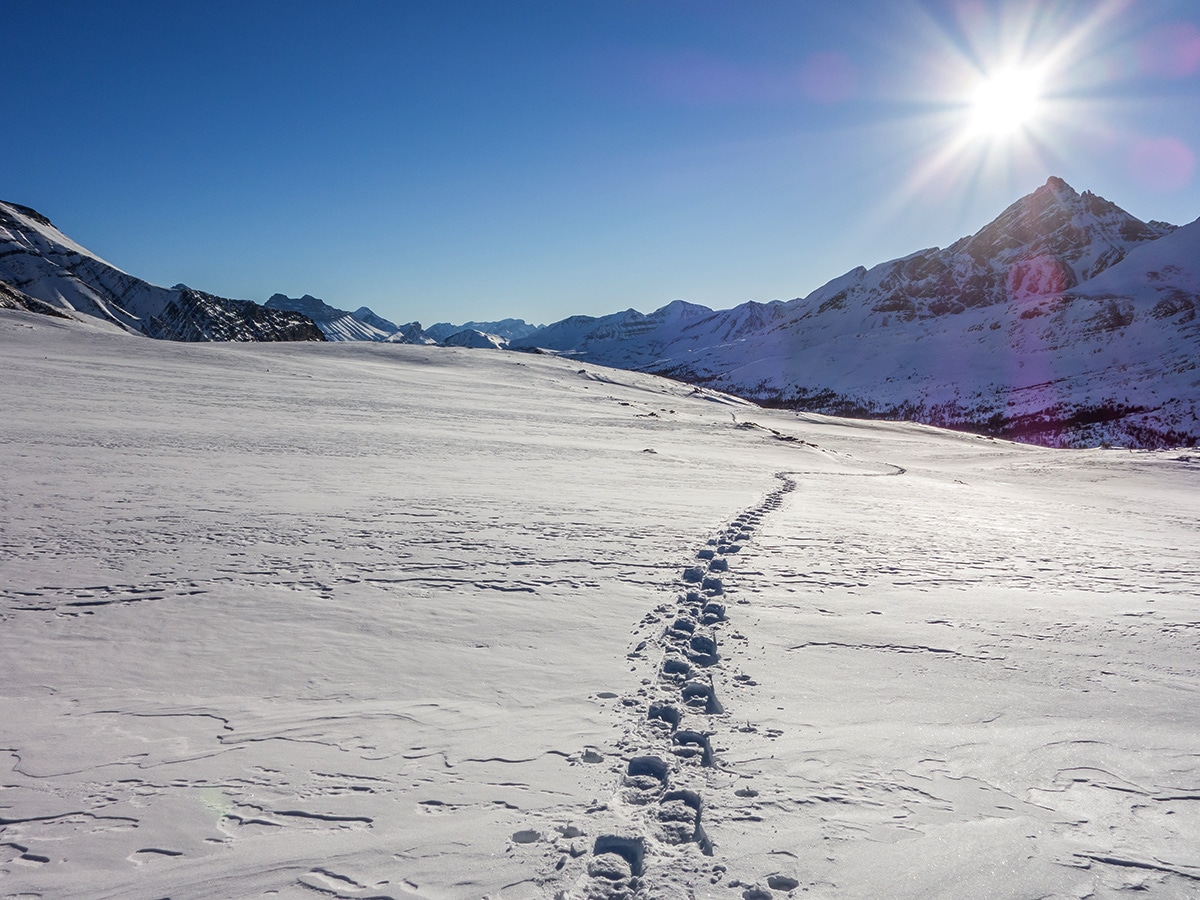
{"points": [[674, 734]]}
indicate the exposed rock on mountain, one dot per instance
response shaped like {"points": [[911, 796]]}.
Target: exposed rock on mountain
{"points": [[44, 264], [317, 310]]}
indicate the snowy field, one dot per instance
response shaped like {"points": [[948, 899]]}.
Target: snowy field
{"points": [[386, 621]]}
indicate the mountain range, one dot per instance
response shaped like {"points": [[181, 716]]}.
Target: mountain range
{"points": [[1066, 321]]}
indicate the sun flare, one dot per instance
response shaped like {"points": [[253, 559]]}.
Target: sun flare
{"points": [[1006, 102]]}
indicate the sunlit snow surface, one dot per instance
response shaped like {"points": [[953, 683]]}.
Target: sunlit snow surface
{"points": [[362, 621]]}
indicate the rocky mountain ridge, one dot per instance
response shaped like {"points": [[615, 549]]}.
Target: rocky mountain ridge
{"points": [[364, 324], [40, 262]]}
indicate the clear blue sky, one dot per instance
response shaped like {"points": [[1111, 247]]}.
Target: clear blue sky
{"points": [[472, 160]]}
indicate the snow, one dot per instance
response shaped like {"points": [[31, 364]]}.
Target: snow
{"points": [[351, 328], [1168, 264], [363, 620]]}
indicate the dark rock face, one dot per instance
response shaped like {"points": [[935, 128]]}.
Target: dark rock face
{"points": [[197, 316], [308, 305]]}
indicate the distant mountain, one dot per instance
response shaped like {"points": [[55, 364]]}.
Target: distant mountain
{"points": [[41, 262], [361, 325], [629, 335], [1066, 321], [336, 324], [509, 329], [412, 333], [470, 337], [363, 314]]}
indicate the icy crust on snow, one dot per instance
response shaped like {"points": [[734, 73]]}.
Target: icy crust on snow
{"points": [[382, 621]]}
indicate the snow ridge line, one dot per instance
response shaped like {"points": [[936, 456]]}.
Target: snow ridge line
{"points": [[671, 756]]}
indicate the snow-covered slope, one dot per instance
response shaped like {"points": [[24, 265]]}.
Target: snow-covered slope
{"points": [[11, 298], [1066, 321], [39, 260], [366, 314], [367, 620]]}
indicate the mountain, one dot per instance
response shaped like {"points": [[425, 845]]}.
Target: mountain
{"points": [[625, 335], [361, 325], [364, 324], [336, 324], [509, 329], [44, 264], [317, 310], [1066, 322], [470, 337], [364, 314], [412, 333]]}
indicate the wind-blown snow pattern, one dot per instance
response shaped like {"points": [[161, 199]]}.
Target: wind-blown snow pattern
{"points": [[1066, 321], [374, 620], [39, 260]]}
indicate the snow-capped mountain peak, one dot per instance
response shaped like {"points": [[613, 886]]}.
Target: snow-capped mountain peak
{"points": [[1076, 235]]}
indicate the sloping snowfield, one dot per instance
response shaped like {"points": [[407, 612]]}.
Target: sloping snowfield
{"points": [[386, 621]]}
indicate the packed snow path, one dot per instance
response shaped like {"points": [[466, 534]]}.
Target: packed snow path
{"points": [[365, 622]]}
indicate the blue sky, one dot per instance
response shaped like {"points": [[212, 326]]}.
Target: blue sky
{"points": [[474, 160]]}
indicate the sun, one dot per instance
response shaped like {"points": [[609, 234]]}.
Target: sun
{"points": [[1006, 102]]}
